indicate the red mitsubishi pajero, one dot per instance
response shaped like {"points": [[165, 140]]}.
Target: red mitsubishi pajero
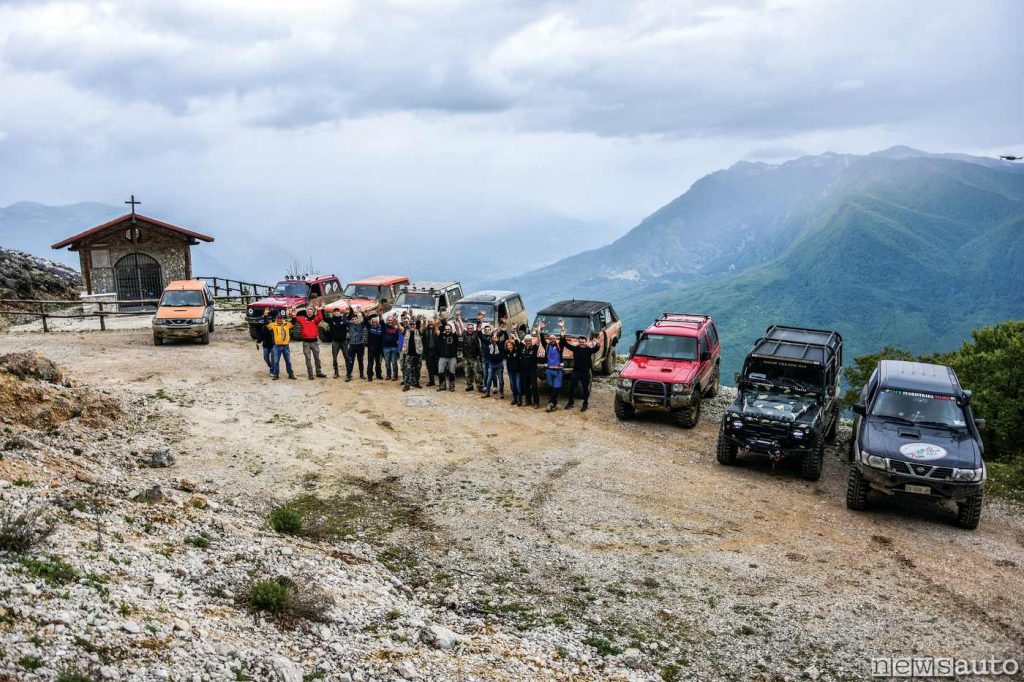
{"points": [[674, 364]]}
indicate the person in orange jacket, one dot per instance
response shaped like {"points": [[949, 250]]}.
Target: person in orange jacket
{"points": [[282, 330]]}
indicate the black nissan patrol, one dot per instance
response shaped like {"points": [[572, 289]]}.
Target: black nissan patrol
{"points": [[914, 434], [787, 403]]}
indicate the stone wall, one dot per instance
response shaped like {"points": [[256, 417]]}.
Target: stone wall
{"points": [[99, 256]]}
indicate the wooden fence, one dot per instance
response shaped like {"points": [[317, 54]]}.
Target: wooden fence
{"points": [[246, 292], [44, 312]]}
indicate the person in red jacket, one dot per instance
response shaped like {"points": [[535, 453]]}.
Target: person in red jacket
{"points": [[308, 323]]}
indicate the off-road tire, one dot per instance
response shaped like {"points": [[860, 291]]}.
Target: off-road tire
{"points": [[211, 323], [833, 429], [726, 450], [254, 332], [623, 410], [716, 382], [157, 341], [811, 462], [968, 512], [608, 366], [205, 338], [856, 490], [690, 417]]}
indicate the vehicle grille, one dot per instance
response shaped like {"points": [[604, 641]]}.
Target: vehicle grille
{"points": [[650, 389], [176, 323], [920, 470], [767, 428]]}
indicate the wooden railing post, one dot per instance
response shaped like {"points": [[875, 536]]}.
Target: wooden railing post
{"points": [[103, 318], [42, 314]]}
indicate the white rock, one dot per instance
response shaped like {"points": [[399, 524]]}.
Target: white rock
{"points": [[812, 672], [406, 670], [285, 670], [109, 672], [440, 637], [131, 626]]}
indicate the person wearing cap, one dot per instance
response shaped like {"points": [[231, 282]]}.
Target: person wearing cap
{"points": [[308, 322], [583, 350], [528, 360], [471, 345], [282, 330], [338, 331]]}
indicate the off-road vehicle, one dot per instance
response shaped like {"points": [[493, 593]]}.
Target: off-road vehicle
{"points": [[496, 306], [185, 311], [787, 404], [372, 295], [590, 319], [672, 367], [914, 435], [290, 295], [428, 299]]}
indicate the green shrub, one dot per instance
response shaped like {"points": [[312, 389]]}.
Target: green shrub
{"points": [[286, 520], [199, 541], [270, 596], [53, 569], [22, 531], [603, 646], [30, 663]]}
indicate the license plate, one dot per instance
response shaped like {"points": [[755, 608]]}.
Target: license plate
{"points": [[919, 489], [650, 401]]}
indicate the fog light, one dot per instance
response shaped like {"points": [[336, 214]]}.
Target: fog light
{"points": [[737, 424]]}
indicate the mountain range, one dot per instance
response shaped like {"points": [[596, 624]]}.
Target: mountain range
{"points": [[900, 247]]}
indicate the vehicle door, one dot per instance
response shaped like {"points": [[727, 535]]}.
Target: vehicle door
{"points": [[209, 302], [706, 360], [867, 395], [316, 292], [333, 291]]}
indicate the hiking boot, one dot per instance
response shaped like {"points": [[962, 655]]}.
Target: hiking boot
{"points": [[430, 383], [335, 374], [321, 375], [569, 405], [551, 407], [440, 387], [468, 389], [273, 378], [310, 377], [583, 407], [291, 376], [405, 388], [486, 395], [451, 385], [348, 377]]}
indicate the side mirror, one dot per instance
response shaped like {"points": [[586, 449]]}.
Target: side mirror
{"points": [[736, 378], [860, 408], [638, 333], [705, 356], [980, 424], [632, 349]]}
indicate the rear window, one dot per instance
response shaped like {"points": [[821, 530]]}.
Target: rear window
{"points": [[183, 299]]}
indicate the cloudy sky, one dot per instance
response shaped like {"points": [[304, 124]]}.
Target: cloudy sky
{"points": [[395, 117]]}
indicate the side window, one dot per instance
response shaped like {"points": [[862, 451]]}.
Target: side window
{"points": [[442, 302], [502, 311], [519, 305], [704, 344], [867, 393], [315, 291], [612, 315], [713, 335]]}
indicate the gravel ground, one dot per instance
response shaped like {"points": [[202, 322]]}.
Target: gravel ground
{"points": [[556, 546]]}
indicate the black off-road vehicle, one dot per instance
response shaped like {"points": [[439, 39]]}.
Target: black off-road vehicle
{"points": [[914, 434], [788, 402]]}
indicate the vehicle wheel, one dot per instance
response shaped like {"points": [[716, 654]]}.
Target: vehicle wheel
{"points": [[810, 465], [608, 366], [716, 382], [833, 428], [968, 512], [726, 450], [211, 323], [623, 410], [157, 341], [856, 490], [689, 417], [254, 332], [205, 338]]}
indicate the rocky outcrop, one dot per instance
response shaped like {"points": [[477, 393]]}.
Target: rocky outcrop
{"points": [[23, 275]]}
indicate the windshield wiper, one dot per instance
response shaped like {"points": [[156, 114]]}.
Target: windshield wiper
{"points": [[940, 425], [901, 420]]}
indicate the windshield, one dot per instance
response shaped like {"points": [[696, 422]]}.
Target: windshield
{"points": [[469, 311], [413, 299], [667, 347], [183, 299], [574, 326], [919, 408], [362, 291], [292, 289], [784, 375]]}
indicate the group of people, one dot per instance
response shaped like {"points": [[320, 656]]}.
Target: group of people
{"points": [[395, 349]]}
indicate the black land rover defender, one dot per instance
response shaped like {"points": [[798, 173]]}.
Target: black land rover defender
{"points": [[914, 434], [788, 399]]}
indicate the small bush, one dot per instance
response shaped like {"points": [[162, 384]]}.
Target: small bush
{"points": [[23, 531], [287, 599], [270, 596], [200, 541], [53, 570], [286, 520], [30, 663], [603, 646], [78, 674]]}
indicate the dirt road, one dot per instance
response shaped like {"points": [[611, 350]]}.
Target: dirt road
{"points": [[629, 534]]}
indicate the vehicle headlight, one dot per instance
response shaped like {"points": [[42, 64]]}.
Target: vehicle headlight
{"points": [[873, 461], [197, 320], [626, 383], [737, 423], [158, 321], [252, 311], [682, 388], [799, 433], [969, 475]]}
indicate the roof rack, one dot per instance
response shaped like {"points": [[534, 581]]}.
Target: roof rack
{"points": [[692, 320]]}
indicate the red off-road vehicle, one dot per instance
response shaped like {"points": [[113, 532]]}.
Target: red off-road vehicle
{"points": [[674, 364], [290, 295]]}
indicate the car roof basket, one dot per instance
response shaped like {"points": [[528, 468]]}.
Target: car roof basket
{"points": [[691, 320]]}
